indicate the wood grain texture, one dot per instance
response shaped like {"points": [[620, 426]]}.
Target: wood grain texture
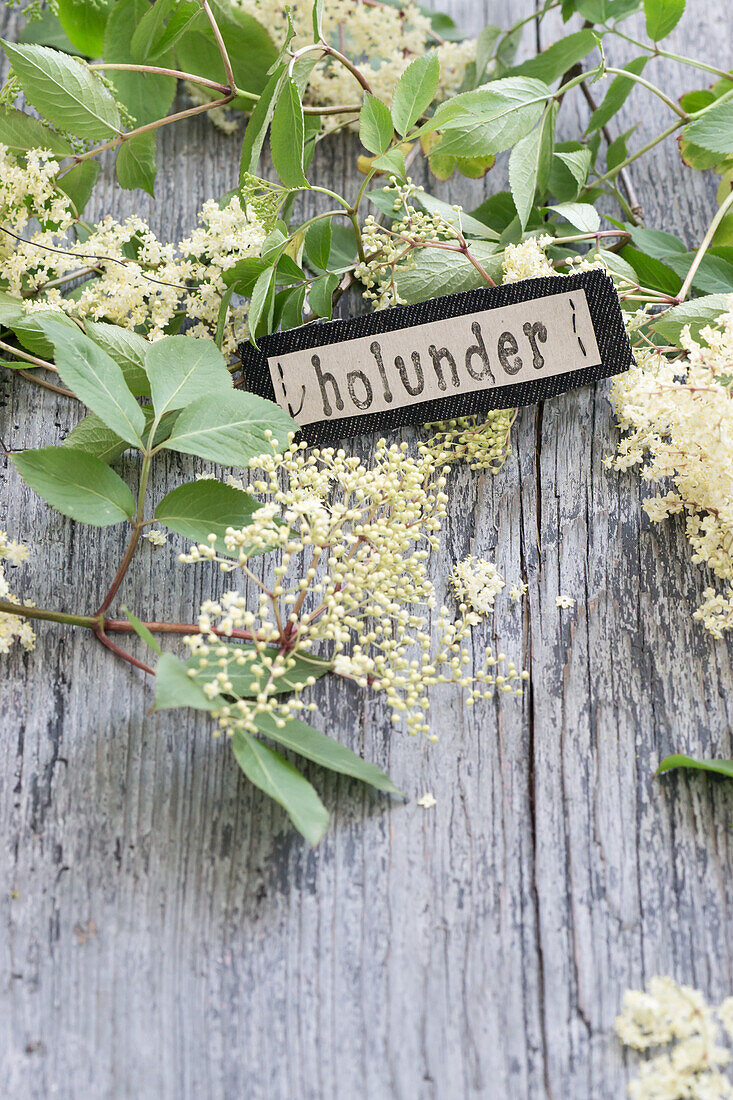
{"points": [[163, 932]]}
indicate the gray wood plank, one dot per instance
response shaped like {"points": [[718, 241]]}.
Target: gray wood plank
{"points": [[479, 949]]}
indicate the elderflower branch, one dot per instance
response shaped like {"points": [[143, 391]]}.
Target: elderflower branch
{"points": [[220, 43], [165, 121], [655, 51], [46, 385], [325, 48], [216, 85], [137, 529], [634, 156], [27, 357], [704, 245]]}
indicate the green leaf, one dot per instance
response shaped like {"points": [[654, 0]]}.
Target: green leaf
{"points": [[392, 162], [577, 163], [147, 96], [714, 129], [554, 62], [175, 688], [261, 303], [96, 380], [656, 243], [83, 21], [47, 31], [490, 119], [529, 166], [128, 350], [272, 773], [582, 215], [652, 273], [697, 314], [77, 484], [250, 48], [436, 272], [204, 508], [136, 163], [317, 18], [617, 94], [92, 436], [375, 125], [28, 328], [259, 121], [292, 311], [485, 49], [64, 91], [79, 182], [719, 767], [662, 16], [318, 243], [414, 92], [142, 631], [249, 676], [153, 36], [21, 132], [316, 746], [287, 137], [229, 428], [321, 295], [606, 11], [181, 369]]}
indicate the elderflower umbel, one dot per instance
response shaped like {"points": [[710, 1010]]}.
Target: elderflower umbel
{"points": [[667, 1013], [564, 602], [527, 260], [12, 628], [156, 537], [477, 582], [351, 587], [678, 419], [518, 591], [382, 39]]}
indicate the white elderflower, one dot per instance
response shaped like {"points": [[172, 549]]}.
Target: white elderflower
{"points": [[564, 602], [12, 628], [527, 260], [351, 587], [677, 416], [428, 801], [477, 582], [518, 591], [156, 536]]}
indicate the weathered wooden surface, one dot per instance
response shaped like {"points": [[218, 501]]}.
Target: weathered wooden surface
{"points": [[163, 933]]}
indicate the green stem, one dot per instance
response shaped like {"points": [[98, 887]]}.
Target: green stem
{"points": [[704, 245], [635, 156], [656, 52], [7, 607], [650, 88]]}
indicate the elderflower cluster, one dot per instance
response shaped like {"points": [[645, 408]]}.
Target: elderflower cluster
{"points": [[678, 419], [665, 1014], [527, 260], [481, 442], [12, 628], [351, 588], [391, 250], [380, 38], [130, 277], [477, 582]]}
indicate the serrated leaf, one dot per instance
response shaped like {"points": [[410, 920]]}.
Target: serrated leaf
{"points": [[64, 91], [21, 132], [175, 688], [375, 125], [261, 303], [552, 63], [436, 272], [272, 773], [415, 91], [679, 760], [136, 164], [697, 314], [485, 49], [259, 121], [287, 137], [577, 163], [128, 350], [92, 436], [529, 166], [96, 380], [292, 311], [142, 631], [318, 243], [618, 91], [652, 273], [490, 119], [316, 746], [714, 129], [28, 328], [662, 16], [206, 507], [582, 215], [76, 484], [181, 369], [320, 296], [230, 428]]}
